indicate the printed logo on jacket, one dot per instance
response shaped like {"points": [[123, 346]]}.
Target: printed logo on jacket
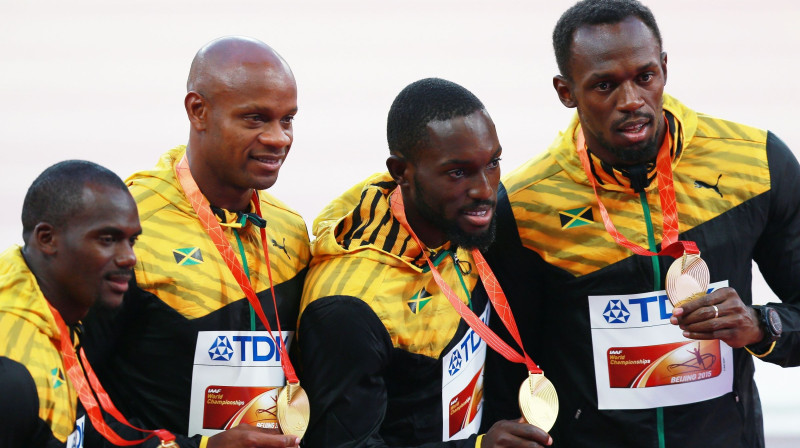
{"points": [[235, 380], [643, 361]]}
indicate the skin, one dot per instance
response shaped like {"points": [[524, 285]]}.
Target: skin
{"points": [[617, 77], [89, 258], [241, 100], [246, 436], [455, 177]]}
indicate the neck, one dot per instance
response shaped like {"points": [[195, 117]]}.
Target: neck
{"points": [[50, 289], [218, 193], [427, 233]]}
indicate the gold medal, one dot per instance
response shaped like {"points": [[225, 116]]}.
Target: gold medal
{"points": [[538, 401], [169, 444], [687, 279], [293, 410]]}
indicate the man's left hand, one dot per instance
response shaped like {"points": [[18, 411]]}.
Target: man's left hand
{"points": [[731, 321]]}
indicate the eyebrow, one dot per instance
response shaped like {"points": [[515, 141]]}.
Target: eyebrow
{"points": [[466, 162], [602, 75]]}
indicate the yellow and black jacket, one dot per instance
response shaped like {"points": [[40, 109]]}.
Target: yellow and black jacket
{"points": [[45, 414], [144, 352], [374, 326], [738, 198]]}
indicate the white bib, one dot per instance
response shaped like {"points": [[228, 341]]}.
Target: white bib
{"points": [[235, 380], [642, 361], [462, 385], [75, 440]]}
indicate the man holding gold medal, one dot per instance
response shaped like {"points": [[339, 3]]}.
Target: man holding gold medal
{"points": [[392, 331], [628, 249], [199, 345]]}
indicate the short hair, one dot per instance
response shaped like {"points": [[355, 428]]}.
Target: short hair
{"points": [[596, 12], [57, 194], [423, 101]]}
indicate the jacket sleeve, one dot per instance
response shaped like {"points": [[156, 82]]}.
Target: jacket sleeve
{"points": [[778, 250], [344, 351], [20, 425]]}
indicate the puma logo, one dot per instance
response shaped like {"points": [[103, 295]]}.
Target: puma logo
{"points": [[715, 187], [281, 247]]}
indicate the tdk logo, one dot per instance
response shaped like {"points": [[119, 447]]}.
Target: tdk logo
{"points": [[455, 363], [647, 309], [245, 348], [616, 312], [221, 349]]}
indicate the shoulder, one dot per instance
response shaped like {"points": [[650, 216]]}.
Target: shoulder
{"points": [[276, 212]]}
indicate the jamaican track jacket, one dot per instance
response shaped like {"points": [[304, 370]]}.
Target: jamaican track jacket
{"points": [[571, 287], [144, 353], [378, 339]]}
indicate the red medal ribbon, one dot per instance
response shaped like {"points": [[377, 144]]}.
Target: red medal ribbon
{"points": [[496, 296], [78, 378], [666, 194], [202, 207]]}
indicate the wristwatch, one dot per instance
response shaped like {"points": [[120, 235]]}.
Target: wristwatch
{"points": [[770, 321]]}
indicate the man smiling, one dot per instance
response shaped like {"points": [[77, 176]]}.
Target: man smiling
{"points": [[588, 232], [168, 356], [387, 360]]}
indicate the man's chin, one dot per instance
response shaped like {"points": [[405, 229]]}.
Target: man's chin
{"points": [[480, 240]]}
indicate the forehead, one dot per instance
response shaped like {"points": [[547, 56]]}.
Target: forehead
{"points": [[105, 206], [464, 137], [602, 47], [256, 81]]}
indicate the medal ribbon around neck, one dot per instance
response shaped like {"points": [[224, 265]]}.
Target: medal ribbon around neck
{"points": [[78, 378], [493, 290], [666, 193], [202, 207]]}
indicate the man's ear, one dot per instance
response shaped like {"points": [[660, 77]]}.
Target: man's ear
{"points": [[196, 109], [664, 65], [564, 90], [44, 238], [398, 167]]}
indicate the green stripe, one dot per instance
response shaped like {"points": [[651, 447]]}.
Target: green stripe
{"points": [[247, 273], [651, 241]]}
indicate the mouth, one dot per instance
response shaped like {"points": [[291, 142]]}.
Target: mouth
{"points": [[118, 281], [635, 130], [269, 162], [480, 216]]}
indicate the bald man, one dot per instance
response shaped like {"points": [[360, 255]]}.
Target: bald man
{"points": [[186, 351]]}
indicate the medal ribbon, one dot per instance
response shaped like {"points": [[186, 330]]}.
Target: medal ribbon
{"points": [[496, 296], [202, 207], [666, 194], [78, 378]]}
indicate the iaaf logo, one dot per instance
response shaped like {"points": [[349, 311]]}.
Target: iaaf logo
{"points": [[249, 348]]}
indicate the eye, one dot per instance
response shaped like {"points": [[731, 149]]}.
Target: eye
{"points": [[494, 163], [457, 173], [287, 119], [647, 77], [603, 86], [132, 240], [107, 239], [254, 118]]}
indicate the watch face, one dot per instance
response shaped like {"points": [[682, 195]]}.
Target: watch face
{"points": [[774, 321]]}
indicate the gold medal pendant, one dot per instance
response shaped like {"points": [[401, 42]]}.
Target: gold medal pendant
{"points": [[169, 444], [538, 401], [687, 279], [293, 410]]}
